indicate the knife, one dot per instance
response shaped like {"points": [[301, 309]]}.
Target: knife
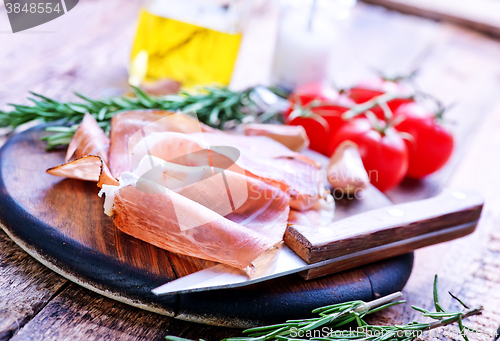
{"points": [[348, 243]]}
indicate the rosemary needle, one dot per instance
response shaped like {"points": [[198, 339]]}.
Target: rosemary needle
{"points": [[215, 106], [338, 315]]}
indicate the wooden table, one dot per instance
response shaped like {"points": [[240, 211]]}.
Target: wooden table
{"points": [[87, 50]]}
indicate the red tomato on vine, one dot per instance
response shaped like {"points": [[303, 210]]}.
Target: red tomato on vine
{"points": [[321, 124], [365, 91], [304, 94], [383, 151], [320, 119], [431, 145]]}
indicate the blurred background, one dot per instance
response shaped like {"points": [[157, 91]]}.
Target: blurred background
{"points": [[254, 38], [100, 48]]}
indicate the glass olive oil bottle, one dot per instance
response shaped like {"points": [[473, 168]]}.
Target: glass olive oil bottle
{"points": [[192, 41]]}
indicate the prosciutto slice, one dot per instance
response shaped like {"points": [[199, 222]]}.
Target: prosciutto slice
{"points": [[260, 157], [130, 127], [89, 139], [90, 145], [193, 190], [152, 217], [89, 168], [271, 161], [201, 211]]}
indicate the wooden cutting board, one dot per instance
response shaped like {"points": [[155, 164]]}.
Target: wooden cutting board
{"points": [[61, 223]]}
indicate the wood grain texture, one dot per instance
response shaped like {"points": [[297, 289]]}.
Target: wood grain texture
{"points": [[469, 267], [26, 286], [346, 207], [479, 15], [77, 314], [87, 51], [60, 222], [383, 226]]}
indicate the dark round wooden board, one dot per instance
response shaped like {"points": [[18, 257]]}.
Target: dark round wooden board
{"points": [[61, 223]]}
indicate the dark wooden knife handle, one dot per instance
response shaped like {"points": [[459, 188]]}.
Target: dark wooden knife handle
{"points": [[385, 232]]}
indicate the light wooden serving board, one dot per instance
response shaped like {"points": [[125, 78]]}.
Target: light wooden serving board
{"points": [[61, 223]]}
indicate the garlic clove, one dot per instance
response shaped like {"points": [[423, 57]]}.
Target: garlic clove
{"points": [[161, 87], [345, 171], [293, 137]]}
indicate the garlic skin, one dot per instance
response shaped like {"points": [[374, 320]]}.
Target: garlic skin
{"points": [[162, 87], [293, 137], [346, 171]]}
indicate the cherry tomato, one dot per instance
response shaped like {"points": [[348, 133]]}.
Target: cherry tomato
{"points": [[321, 125], [365, 91], [309, 92], [432, 144], [384, 155], [321, 122]]}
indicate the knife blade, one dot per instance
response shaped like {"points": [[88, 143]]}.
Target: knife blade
{"points": [[273, 263], [347, 243]]}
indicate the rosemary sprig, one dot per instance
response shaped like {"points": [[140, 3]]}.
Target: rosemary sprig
{"points": [[332, 316], [215, 106], [338, 315]]}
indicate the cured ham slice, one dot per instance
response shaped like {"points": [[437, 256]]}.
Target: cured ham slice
{"points": [[199, 211], [256, 145], [130, 127], [89, 168], [152, 217], [194, 190], [261, 158], [270, 161], [185, 149], [89, 139], [229, 192]]}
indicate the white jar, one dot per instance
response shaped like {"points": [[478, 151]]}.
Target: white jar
{"points": [[306, 37]]}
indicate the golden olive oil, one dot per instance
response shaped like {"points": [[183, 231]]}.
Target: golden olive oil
{"points": [[191, 54]]}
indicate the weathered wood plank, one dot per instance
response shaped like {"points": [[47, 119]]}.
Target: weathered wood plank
{"points": [[103, 73], [78, 314], [480, 15], [461, 70], [375, 39], [86, 50], [25, 287], [469, 267]]}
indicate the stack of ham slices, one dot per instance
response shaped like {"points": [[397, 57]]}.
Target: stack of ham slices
{"points": [[185, 187]]}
